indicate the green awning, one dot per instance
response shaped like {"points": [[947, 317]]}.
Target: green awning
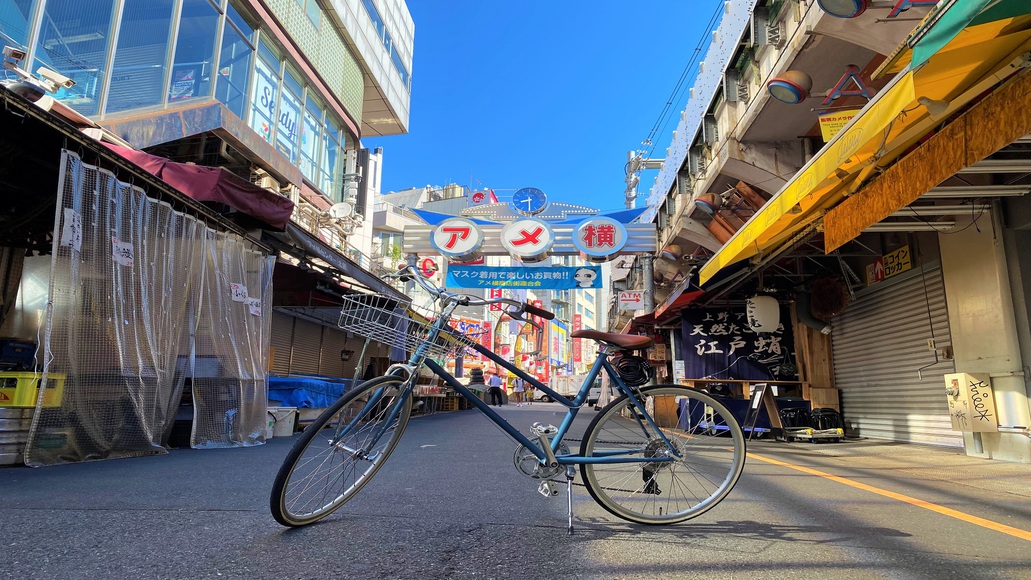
{"points": [[947, 25]]}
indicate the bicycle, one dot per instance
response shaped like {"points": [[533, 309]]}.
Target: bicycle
{"points": [[655, 455]]}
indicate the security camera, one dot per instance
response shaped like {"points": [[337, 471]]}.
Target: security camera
{"points": [[14, 54], [55, 78]]}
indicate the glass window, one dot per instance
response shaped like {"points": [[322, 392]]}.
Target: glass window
{"points": [[74, 42], [234, 64], [266, 93], [311, 137], [194, 51], [328, 170], [139, 70], [287, 129], [389, 245], [15, 16], [388, 42], [312, 8], [233, 15]]}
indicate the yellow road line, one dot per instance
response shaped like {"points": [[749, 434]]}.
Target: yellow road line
{"points": [[1015, 532]]}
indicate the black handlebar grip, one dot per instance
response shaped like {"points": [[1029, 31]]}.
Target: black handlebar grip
{"points": [[531, 309]]}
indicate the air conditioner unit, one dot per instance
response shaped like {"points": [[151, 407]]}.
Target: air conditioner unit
{"points": [[292, 191], [268, 182], [742, 91]]}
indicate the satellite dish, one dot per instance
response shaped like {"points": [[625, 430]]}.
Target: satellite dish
{"points": [[341, 210]]}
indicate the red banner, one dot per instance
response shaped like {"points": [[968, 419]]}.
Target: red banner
{"points": [[577, 325], [495, 293]]}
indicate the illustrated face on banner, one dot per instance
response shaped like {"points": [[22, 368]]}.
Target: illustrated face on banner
{"points": [[585, 277]]}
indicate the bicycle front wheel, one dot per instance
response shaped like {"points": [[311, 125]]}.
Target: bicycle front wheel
{"points": [[340, 452], [699, 452]]}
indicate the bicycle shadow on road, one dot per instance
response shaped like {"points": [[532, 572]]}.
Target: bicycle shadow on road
{"points": [[599, 528]]}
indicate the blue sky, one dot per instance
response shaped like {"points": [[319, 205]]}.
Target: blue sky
{"points": [[544, 93]]}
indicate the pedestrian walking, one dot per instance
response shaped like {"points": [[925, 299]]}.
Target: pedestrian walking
{"points": [[494, 388], [518, 388]]}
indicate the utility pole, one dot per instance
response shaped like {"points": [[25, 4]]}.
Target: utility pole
{"points": [[635, 163], [648, 271]]}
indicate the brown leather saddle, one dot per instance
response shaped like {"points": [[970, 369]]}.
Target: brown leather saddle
{"points": [[624, 341]]}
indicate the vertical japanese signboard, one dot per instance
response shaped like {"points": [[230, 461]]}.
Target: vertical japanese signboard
{"points": [[577, 350], [493, 294]]}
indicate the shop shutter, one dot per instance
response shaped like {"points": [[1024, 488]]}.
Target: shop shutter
{"points": [[307, 347], [281, 341], [334, 341], [891, 387]]}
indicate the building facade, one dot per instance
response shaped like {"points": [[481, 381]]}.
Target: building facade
{"points": [[872, 177], [275, 95]]}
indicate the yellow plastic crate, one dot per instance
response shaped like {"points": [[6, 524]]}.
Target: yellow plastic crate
{"points": [[21, 389]]}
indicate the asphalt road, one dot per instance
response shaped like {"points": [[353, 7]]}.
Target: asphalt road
{"points": [[449, 504]]}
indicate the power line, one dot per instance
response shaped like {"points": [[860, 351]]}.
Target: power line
{"points": [[663, 119]]}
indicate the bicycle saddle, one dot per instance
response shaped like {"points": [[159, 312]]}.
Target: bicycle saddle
{"points": [[628, 341]]}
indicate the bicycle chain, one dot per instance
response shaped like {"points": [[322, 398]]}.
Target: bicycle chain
{"points": [[562, 481]]}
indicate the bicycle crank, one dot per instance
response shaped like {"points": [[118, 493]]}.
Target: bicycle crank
{"points": [[529, 465]]}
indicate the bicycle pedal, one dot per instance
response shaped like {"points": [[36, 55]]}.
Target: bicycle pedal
{"points": [[548, 489], [541, 429]]}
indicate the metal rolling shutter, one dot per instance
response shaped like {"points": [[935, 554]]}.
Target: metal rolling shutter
{"points": [[879, 343], [307, 347], [281, 341], [334, 341]]}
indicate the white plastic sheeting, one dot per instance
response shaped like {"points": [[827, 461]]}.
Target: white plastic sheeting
{"points": [[144, 300]]}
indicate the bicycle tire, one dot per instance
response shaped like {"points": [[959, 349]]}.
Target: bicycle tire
{"points": [[664, 492], [322, 473]]}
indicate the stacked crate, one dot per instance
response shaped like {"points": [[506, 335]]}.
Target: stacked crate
{"points": [[14, 432]]}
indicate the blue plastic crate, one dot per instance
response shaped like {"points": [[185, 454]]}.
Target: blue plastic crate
{"points": [[17, 354]]}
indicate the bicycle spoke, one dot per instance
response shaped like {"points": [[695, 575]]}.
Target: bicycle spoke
{"points": [[339, 453], [691, 473]]}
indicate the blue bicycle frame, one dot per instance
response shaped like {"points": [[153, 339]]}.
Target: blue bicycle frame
{"points": [[573, 405]]}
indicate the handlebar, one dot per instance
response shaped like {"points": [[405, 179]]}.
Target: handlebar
{"points": [[408, 273]]}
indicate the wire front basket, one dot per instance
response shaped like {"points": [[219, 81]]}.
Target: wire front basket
{"points": [[397, 323]]}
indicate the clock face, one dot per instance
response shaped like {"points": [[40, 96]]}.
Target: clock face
{"points": [[529, 201]]}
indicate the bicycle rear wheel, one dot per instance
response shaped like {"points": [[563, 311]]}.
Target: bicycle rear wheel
{"points": [[340, 452], [704, 439]]}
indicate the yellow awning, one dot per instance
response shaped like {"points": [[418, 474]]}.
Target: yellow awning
{"points": [[882, 131], [844, 155]]}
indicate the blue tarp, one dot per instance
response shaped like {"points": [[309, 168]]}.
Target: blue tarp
{"points": [[311, 392]]}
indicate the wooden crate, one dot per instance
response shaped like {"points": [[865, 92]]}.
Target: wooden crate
{"points": [[824, 398]]}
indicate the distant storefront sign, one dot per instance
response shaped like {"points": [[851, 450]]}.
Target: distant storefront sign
{"points": [[549, 278], [577, 343], [631, 300], [833, 122], [476, 330], [559, 335], [888, 265]]}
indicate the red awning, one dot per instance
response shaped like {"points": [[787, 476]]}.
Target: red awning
{"points": [[663, 314], [215, 184]]}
